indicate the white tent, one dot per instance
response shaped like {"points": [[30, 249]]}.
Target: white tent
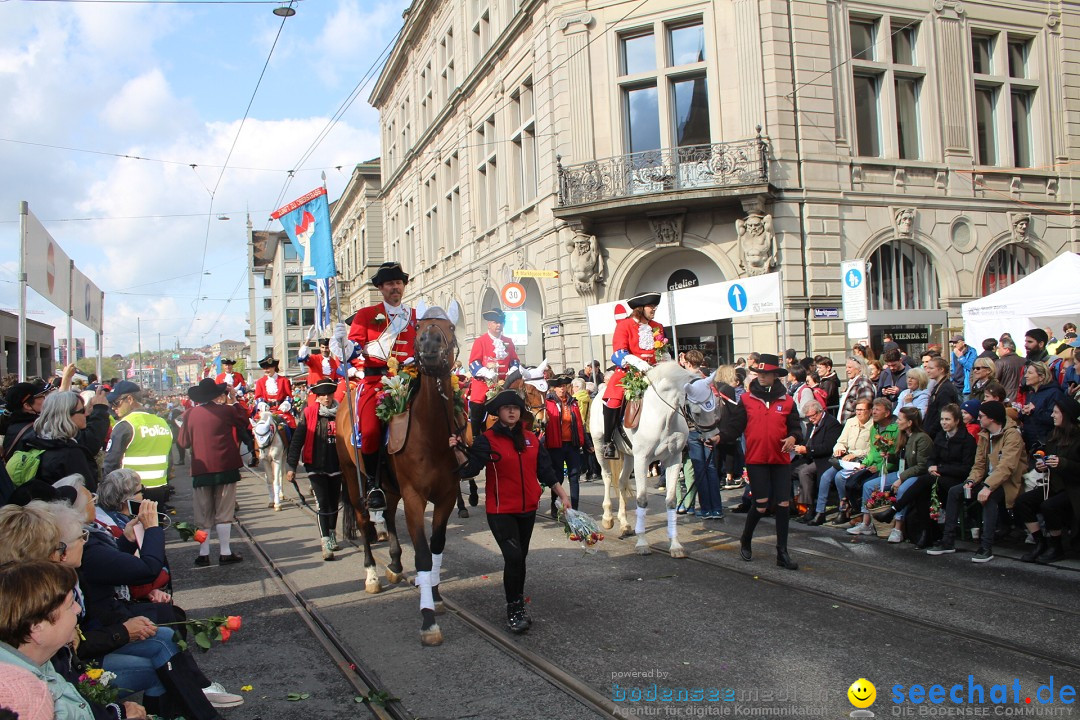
{"points": [[1048, 297]]}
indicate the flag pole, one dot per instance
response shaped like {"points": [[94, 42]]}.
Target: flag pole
{"points": [[71, 313], [24, 209]]}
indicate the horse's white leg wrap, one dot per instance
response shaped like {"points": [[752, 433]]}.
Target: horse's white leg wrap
{"points": [[436, 566], [639, 526], [671, 520], [423, 580], [377, 517], [372, 575]]}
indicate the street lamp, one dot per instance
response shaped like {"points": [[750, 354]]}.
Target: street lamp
{"points": [[285, 11]]}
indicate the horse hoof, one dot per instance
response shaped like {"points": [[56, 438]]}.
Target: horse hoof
{"points": [[643, 549], [277, 507], [373, 588], [394, 578], [625, 533], [474, 499], [609, 523], [381, 537], [440, 607], [431, 637], [463, 513], [678, 553]]}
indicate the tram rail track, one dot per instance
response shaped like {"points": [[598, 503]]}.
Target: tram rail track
{"points": [[364, 680]]}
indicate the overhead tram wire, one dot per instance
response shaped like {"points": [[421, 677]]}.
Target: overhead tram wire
{"points": [[232, 148], [376, 66]]}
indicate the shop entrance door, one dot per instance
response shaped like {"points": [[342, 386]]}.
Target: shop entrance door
{"points": [[713, 339]]}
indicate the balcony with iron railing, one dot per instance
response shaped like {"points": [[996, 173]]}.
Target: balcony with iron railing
{"points": [[690, 175]]}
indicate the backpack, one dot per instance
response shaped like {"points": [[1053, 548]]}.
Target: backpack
{"points": [[822, 396], [24, 466]]}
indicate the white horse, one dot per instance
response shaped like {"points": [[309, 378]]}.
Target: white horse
{"points": [[271, 455], [660, 436]]}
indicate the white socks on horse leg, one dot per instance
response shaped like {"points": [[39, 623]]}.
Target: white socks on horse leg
{"points": [[436, 566], [224, 533], [639, 527], [423, 581], [671, 520]]}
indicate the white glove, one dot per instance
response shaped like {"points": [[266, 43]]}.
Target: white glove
{"points": [[355, 372], [342, 349], [311, 332], [341, 331], [409, 361], [285, 406], [486, 374], [636, 362]]}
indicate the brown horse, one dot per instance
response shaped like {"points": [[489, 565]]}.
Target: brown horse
{"points": [[425, 470]]}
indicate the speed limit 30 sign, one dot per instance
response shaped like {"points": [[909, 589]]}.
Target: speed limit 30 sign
{"points": [[513, 295]]}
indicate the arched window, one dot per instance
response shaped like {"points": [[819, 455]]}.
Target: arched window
{"points": [[1008, 265], [902, 277]]}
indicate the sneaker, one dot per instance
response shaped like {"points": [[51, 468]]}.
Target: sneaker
{"points": [[327, 549], [861, 529], [896, 536], [219, 698], [333, 541], [943, 547], [984, 555]]}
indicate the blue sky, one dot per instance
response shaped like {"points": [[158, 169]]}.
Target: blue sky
{"points": [[171, 82]]}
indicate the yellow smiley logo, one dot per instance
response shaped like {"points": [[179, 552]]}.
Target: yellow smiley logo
{"points": [[862, 693]]}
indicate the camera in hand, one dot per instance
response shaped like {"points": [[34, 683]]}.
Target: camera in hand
{"points": [[133, 507]]}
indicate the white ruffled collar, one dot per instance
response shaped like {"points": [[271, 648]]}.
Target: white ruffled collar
{"points": [[645, 336], [499, 347]]}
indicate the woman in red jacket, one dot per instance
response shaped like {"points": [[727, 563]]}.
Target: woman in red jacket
{"points": [[772, 431], [516, 464]]}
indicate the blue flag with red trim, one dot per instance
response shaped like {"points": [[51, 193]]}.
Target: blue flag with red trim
{"points": [[307, 222]]}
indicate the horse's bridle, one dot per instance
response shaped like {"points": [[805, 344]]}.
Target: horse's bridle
{"points": [[450, 345]]}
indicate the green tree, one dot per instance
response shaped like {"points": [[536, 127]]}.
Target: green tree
{"points": [[109, 367]]}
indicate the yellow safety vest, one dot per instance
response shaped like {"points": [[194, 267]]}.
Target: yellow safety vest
{"points": [[148, 451]]}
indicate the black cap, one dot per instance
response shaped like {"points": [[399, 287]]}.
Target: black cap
{"points": [[124, 387], [389, 271], [994, 410], [559, 381], [24, 392]]}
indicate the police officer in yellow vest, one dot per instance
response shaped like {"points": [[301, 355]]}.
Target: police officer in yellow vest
{"points": [[140, 441]]}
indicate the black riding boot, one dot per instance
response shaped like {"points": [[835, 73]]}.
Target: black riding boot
{"points": [[375, 498], [1039, 548], [184, 691], [752, 518], [1053, 553], [783, 514], [611, 418]]}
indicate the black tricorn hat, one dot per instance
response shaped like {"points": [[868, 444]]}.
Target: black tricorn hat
{"points": [[228, 361], [206, 390], [326, 386], [494, 315], [644, 300], [268, 362], [506, 397], [389, 271], [560, 380]]}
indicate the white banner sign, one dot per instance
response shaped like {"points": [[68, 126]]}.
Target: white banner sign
{"points": [[86, 301], [853, 276], [47, 266], [716, 301]]}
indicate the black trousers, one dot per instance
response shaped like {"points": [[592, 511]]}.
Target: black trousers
{"points": [[513, 532], [477, 418], [1056, 509], [770, 481], [327, 494]]}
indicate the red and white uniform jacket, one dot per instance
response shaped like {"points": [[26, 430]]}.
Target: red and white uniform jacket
{"points": [[488, 351], [373, 325], [233, 379], [630, 338]]}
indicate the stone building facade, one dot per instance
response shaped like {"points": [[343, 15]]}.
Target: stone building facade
{"points": [[356, 219], [637, 146]]}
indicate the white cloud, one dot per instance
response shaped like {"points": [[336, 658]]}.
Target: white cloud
{"points": [[145, 104]]}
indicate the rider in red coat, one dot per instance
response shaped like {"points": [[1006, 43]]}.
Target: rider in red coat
{"points": [[633, 344], [321, 365], [275, 390], [378, 333], [228, 378], [492, 357]]}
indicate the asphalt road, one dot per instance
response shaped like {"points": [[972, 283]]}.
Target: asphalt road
{"points": [[758, 639]]}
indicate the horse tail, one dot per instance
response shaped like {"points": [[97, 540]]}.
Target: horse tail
{"points": [[349, 529]]}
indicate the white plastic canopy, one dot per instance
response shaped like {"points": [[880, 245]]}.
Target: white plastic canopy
{"points": [[1048, 297]]}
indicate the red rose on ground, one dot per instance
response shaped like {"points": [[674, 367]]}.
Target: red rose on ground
{"points": [[225, 634], [233, 622]]}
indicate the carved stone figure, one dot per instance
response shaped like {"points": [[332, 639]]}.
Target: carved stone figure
{"points": [[757, 244], [667, 229], [586, 261], [1021, 224], [904, 222]]}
